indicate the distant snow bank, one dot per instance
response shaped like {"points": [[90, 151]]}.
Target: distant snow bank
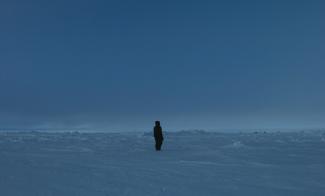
{"points": [[180, 132]]}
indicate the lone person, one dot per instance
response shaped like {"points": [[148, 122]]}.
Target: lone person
{"points": [[157, 133]]}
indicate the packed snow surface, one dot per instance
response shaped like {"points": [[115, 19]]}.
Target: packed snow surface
{"points": [[190, 163]]}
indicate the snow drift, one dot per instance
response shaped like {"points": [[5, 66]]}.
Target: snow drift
{"points": [[190, 163]]}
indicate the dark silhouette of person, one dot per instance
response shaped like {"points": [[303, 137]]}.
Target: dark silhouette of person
{"points": [[157, 133]]}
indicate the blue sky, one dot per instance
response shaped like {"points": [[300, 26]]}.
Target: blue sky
{"points": [[191, 64]]}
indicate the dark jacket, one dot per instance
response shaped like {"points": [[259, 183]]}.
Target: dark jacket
{"points": [[157, 133]]}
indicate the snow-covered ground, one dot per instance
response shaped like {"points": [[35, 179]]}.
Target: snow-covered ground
{"points": [[191, 163]]}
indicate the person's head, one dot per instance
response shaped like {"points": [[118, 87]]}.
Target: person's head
{"points": [[157, 123]]}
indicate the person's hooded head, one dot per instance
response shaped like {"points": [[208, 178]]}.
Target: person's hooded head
{"points": [[157, 123]]}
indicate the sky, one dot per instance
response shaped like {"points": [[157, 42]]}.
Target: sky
{"points": [[121, 65]]}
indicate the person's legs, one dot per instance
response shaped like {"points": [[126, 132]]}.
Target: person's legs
{"points": [[159, 144]]}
